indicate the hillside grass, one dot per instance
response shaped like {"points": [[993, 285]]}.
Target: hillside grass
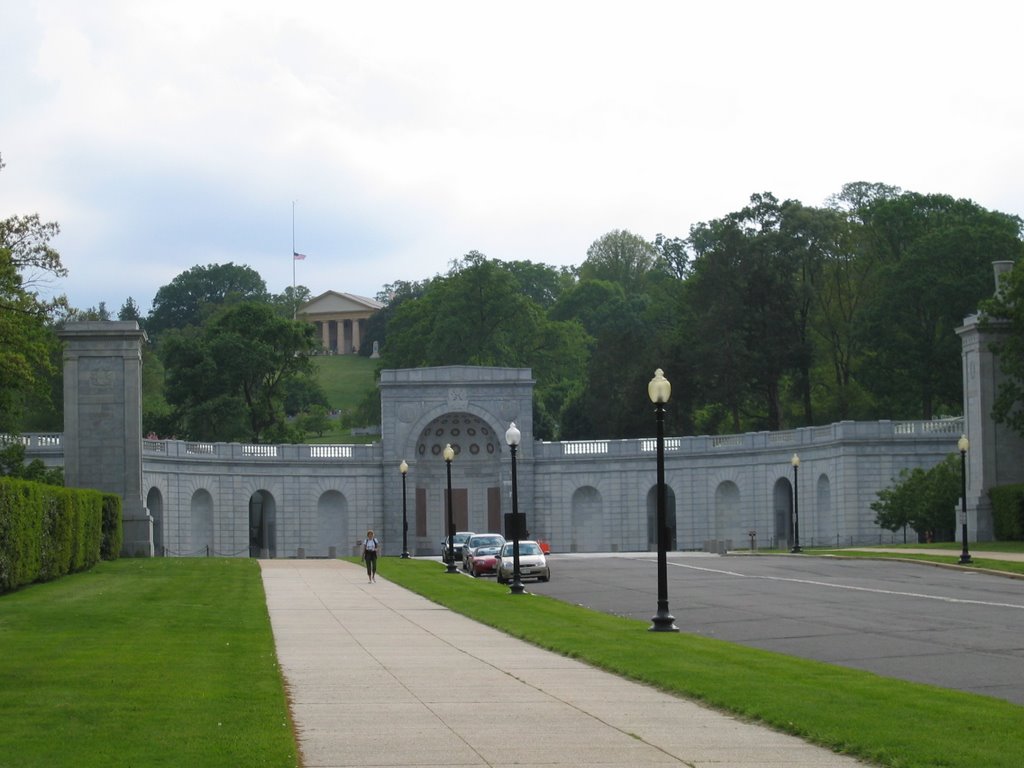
{"points": [[346, 380]]}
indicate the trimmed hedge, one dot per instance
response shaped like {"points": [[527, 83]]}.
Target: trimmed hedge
{"points": [[47, 531], [1008, 512]]}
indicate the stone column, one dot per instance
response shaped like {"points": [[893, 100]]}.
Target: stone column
{"points": [[103, 419], [325, 335], [996, 453], [356, 335]]}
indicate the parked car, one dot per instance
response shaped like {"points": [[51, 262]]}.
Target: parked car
{"points": [[480, 551], [532, 562], [457, 541]]}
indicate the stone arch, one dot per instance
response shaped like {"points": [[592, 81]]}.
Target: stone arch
{"points": [[262, 524], [587, 520], [477, 471], [652, 517], [201, 509], [728, 519], [155, 505], [332, 524], [782, 506]]}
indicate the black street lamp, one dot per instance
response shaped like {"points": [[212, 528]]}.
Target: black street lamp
{"points": [[659, 390], [404, 469], [962, 444], [449, 454], [512, 437], [795, 461]]}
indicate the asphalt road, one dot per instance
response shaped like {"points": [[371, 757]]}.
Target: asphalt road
{"points": [[948, 627]]}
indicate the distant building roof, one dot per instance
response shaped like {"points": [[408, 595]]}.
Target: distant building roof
{"points": [[333, 302]]}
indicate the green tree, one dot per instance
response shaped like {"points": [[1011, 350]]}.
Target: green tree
{"points": [[28, 345], [748, 309], [315, 421], [288, 302], [129, 310], [1003, 314], [227, 380], [13, 464], [620, 257], [195, 294], [478, 315], [934, 255], [925, 500]]}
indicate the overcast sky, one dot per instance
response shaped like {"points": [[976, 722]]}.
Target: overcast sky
{"points": [[164, 135]]}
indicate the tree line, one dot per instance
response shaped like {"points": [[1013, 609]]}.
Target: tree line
{"points": [[774, 316]]}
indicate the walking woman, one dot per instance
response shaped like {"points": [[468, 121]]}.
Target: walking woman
{"points": [[370, 549]]}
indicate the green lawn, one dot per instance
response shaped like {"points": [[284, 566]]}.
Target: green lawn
{"points": [[346, 379], [886, 721], [157, 662]]}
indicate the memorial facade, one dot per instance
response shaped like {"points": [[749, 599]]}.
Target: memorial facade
{"points": [[229, 499]]}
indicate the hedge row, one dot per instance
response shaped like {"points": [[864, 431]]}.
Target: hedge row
{"points": [[47, 531], [1008, 512]]}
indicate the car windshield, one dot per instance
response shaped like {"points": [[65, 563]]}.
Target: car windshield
{"points": [[525, 548], [460, 538], [486, 541]]}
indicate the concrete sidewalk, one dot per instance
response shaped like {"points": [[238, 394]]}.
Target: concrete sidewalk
{"points": [[379, 676]]}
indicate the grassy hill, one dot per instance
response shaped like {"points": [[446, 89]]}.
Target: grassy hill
{"points": [[346, 380]]}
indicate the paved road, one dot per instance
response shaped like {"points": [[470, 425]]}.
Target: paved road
{"points": [[949, 627]]}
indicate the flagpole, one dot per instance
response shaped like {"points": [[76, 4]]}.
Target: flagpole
{"points": [[295, 306]]}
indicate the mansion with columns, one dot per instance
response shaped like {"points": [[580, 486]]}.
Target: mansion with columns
{"points": [[340, 320]]}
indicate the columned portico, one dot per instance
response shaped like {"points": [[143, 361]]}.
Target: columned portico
{"points": [[340, 320]]}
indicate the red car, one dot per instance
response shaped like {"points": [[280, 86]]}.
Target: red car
{"points": [[480, 551]]}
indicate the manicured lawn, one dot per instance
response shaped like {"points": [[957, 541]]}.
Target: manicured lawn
{"points": [[158, 662], [346, 379], [886, 721]]}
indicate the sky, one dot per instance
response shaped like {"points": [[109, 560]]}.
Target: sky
{"points": [[386, 139]]}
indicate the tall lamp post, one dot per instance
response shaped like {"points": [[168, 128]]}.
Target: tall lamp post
{"points": [[404, 469], [449, 454], [962, 444], [795, 461], [512, 437], [659, 390]]}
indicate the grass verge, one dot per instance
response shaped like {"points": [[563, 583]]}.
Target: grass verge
{"points": [[157, 662], [926, 553], [881, 720]]}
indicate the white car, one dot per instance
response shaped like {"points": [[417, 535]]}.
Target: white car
{"points": [[532, 562]]}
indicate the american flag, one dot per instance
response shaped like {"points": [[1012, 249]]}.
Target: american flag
{"points": [[298, 256]]}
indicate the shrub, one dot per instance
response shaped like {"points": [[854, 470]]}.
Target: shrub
{"points": [[48, 531], [1008, 512]]}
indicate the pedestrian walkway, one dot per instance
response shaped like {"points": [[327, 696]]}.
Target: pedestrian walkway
{"points": [[378, 676]]}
